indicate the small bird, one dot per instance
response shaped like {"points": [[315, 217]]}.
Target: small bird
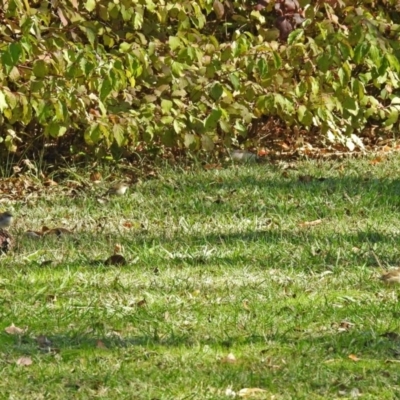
{"points": [[6, 219], [391, 277], [117, 190]]}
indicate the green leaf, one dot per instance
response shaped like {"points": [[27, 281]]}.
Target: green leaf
{"points": [[360, 52], [304, 115], [90, 5], [118, 133], [40, 69], [210, 123], [174, 43], [55, 129], [235, 81], [105, 88], [216, 91], [277, 60], [3, 103], [350, 105], [166, 106], [324, 62], [392, 117], [190, 140]]}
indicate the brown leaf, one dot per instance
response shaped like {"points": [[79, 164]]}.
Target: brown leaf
{"points": [[118, 248], [353, 357], [115, 259], [50, 182], [218, 9], [95, 177], [24, 361], [310, 223], [141, 303], [100, 344], [14, 330], [63, 20], [230, 359], [250, 392], [127, 224]]}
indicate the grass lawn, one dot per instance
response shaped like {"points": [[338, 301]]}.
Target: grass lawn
{"points": [[251, 276]]}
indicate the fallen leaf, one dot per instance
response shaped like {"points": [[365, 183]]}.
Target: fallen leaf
{"points": [[249, 392], [376, 160], [115, 259], [50, 182], [353, 357], [118, 248], [230, 359], [100, 344], [14, 330], [212, 166], [95, 177], [127, 224], [310, 223], [141, 303], [24, 361]]}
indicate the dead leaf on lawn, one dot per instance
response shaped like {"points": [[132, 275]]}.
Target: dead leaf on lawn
{"points": [[345, 326], [353, 357], [230, 359], [391, 277], [127, 224], [376, 161], [141, 303], [115, 259], [95, 177], [311, 223], [24, 361], [250, 392], [100, 344], [118, 248], [14, 330]]}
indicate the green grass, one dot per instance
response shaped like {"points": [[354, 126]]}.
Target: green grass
{"points": [[224, 266]]}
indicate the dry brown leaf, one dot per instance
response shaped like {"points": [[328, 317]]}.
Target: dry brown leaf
{"points": [[118, 248], [310, 223], [14, 330], [230, 359], [24, 361], [100, 344], [250, 392], [141, 303], [95, 177], [353, 357], [391, 277], [50, 182], [127, 224]]}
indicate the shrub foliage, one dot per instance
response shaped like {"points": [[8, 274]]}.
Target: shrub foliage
{"points": [[103, 74]]}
